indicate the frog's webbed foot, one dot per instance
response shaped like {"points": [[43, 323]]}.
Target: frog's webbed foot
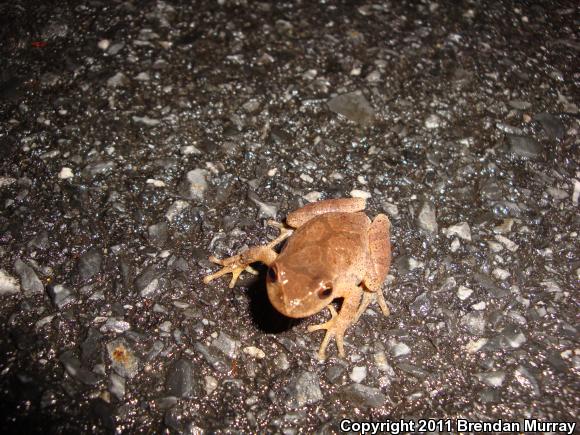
{"points": [[234, 265], [241, 262], [334, 328]]}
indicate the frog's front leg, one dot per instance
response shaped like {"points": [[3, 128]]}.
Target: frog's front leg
{"points": [[338, 323], [238, 263]]}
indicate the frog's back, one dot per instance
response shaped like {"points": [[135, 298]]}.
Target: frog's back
{"points": [[331, 243]]}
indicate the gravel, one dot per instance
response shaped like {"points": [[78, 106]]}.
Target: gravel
{"points": [[139, 139]]}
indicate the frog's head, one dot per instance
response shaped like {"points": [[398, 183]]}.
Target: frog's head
{"points": [[297, 294]]}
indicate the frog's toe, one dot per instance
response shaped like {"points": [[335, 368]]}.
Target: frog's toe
{"points": [[229, 265], [334, 328]]}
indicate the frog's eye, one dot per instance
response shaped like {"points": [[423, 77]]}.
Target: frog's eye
{"points": [[325, 292], [272, 274]]}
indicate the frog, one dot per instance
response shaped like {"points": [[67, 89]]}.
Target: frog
{"points": [[332, 251]]}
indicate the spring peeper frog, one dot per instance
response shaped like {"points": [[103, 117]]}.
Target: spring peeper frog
{"points": [[333, 251]]}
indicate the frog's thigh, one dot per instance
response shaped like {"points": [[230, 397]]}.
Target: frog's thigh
{"points": [[379, 253], [299, 217]]}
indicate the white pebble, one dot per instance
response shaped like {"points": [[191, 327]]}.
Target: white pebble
{"points": [[104, 44], [272, 172], [307, 178], [358, 374], [313, 196], [474, 346], [461, 229], [455, 244], [480, 306], [65, 173], [156, 183], [433, 121], [188, 150], [254, 352], [463, 292], [511, 246], [8, 284], [500, 274], [361, 180], [355, 193]]}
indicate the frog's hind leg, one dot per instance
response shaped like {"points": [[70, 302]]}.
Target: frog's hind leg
{"points": [[241, 262], [368, 298], [299, 217], [379, 263]]}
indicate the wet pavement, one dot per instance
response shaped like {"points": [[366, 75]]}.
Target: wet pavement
{"points": [[138, 138]]}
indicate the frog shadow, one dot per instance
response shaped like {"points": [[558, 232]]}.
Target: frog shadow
{"points": [[264, 315]]}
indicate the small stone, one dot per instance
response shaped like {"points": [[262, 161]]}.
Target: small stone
{"points": [[398, 349], [7, 181], [576, 192], [500, 274], [8, 284], [267, 209], [513, 337], [30, 282], [391, 209], [65, 173], [143, 77], [432, 121], [480, 306], [455, 245], [474, 322], [505, 227], [60, 295], [525, 379], [363, 396], [196, 183], [353, 106], [355, 193], [524, 146], [427, 219], [475, 345], [461, 230], [254, 352], [158, 234], [180, 380], [373, 77], [492, 378], [145, 120], [251, 106], [189, 150], [312, 196], [73, 367], [90, 263], [147, 282], [553, 127], [155, 183], [104, 44], [463, 292], [307, 178], [306, 388], [211, 384], [511, 246], [226, 344], [176, 209], [358, 374], [117, 80], [123, 359], [520, 105], [556, 193], [115, 325], [117, 386]]}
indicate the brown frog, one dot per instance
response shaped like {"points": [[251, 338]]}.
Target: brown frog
{"points": [[333, 251]]}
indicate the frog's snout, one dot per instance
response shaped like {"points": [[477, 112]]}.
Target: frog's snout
{"points": [[279, 300]]}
